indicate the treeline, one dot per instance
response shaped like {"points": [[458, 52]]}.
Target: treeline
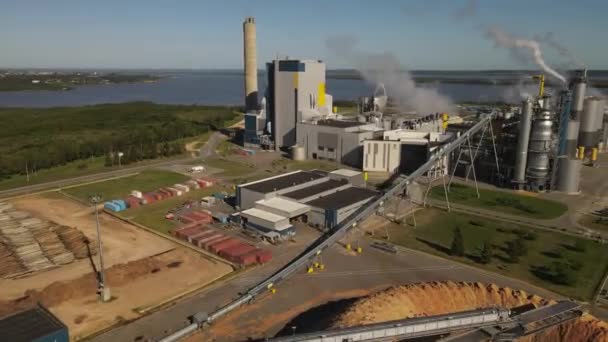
{"points": [[34, 139]]}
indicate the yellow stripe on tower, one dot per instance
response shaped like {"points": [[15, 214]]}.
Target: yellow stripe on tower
{"points": [[295, 79], [321, 94]]}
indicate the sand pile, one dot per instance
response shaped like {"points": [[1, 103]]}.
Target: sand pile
{"points": [[437, 298]]}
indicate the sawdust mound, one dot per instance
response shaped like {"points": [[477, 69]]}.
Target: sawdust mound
{"points": [[60, 291], [435, 298]]}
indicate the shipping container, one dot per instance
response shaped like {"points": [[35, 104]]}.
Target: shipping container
{"points": [[237, 250], [175, 191], [120, 203], [220, 246], [181, 187], [207, 244], [202, 232], [247, 258], [208, 233], [263, 256], [137, 194], [192, 184], [112, 206], [203, 242], [132, 202], [186, 233]]}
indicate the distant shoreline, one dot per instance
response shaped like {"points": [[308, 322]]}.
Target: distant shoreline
{"points": [[50, 81]]}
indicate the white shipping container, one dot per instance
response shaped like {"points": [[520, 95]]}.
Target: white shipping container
{"points": [[181, 187], [137, 194]]}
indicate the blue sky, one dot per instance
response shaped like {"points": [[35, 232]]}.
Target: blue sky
{"points": [[424, 34]]}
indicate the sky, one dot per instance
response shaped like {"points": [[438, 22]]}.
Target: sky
{"points": [[205, 34]]}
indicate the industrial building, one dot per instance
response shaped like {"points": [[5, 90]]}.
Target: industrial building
{"points": [[545, 146], [403, 150], [322, 199], [35, 324]]}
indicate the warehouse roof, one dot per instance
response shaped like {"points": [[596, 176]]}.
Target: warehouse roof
{"points": [[29, 325], [342, 198], [263, 214], [315, 189], [346, 172], [283, 204], [282, 181]]}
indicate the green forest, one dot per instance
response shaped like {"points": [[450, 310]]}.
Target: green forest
{"points": [[33, 139]]}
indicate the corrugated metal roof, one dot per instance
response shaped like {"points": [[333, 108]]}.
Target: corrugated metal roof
{"points": [[342, 198], [282, 182], [315, 189], [263, 214], [29, 325], [283, 204]]}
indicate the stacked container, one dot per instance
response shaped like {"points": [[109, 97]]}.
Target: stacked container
{"points": [[181, 187]]}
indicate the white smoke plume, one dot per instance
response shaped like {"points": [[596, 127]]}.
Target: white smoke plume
{"points": [[385, 68], [549, 39], [508, 41]]}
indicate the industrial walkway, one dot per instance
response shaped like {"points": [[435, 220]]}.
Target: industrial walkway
{"points": [[487, 324]]}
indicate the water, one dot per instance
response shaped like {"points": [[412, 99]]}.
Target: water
{"points": [[224, 88]]}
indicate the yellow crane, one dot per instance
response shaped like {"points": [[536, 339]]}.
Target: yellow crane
{"points": [[541, 84]]}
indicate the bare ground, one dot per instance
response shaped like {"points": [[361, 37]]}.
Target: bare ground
{"points": [[142, 271]]}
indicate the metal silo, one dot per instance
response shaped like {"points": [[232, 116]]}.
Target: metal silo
{"points": [[579, 87], [569, 166], [523, 139], [588, 133], [539, 150]]}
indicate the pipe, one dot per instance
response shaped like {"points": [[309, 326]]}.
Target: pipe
{"points": [[176, 336]]}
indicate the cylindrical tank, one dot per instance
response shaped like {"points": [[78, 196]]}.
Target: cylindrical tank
{"points": [[568, 175], [523, 139], [599, 119], [578, 97], [251, 64], [298, 153], [541, 142], [386, 124], [572, 138], [588, 132]]}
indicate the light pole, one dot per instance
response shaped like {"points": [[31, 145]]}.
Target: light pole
{"points": [[104, 292]]}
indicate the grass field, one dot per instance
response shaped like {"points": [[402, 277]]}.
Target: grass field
{"points": [[230, 168], [501, 201], [434, 235], [121, 187], [153, 215], [73, 169]]}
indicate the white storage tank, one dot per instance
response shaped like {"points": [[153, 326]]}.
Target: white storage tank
{"points": [[298, 153]]}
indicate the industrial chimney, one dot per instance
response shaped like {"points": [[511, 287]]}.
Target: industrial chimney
{"points": [[251, 65]]}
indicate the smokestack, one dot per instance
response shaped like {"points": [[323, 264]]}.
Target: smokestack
{"points": [[251, 65]]}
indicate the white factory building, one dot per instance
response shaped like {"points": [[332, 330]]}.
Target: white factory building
{"points": [[404, 150], [322, 199]]}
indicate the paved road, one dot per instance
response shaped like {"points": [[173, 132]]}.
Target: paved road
{"points": [[84, 179], [344, 273]]}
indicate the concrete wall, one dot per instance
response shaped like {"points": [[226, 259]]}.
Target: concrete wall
{"points": [[381, 155], [349, 145], [299, 90]]}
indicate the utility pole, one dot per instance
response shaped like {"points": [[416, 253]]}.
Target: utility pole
{"points": [[104, 292]]}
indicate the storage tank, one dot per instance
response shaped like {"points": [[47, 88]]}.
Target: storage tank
{"points": [[541, 143], [588, 133], [568, 175], [523, 139], [298, 153], [251, 64]]}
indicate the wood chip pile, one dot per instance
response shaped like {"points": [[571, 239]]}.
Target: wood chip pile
{"points": [[29, 244]]}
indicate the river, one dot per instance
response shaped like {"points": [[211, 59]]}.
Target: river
{"points": [[223, 88]]}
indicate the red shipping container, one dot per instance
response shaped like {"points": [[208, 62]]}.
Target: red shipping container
{"points": [[185, 233], [206, 242], [199, 238], [202, 232], [207, 245], [247, 259], [237, 250], [220, 246], [263, 256]]}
